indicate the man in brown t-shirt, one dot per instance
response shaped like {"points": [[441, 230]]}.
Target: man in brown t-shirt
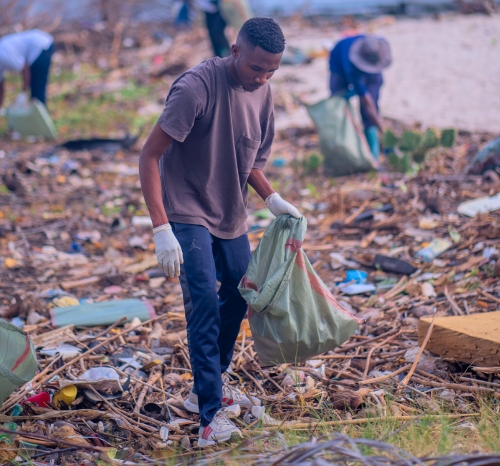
{"points": [[212, 139]]}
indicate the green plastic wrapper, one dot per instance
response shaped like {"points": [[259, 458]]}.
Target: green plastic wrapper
{"points": [[105, 313], [17, 359], [293, 316], [341, 139]]}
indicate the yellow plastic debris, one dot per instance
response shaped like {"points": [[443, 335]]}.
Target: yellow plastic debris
{"points": [[65, 301], [10, 263]]}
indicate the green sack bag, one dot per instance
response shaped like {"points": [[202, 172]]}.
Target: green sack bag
{"points": [[341, 138], [17, 359], [293, 316], [31, 120]]}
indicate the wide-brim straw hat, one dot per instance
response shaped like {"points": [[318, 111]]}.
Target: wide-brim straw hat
{"points": [[370, 54]]}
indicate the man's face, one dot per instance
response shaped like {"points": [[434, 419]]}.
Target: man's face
{"points": [[254, 66]]}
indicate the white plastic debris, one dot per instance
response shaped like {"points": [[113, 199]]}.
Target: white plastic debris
{"points": [[479, 206], [428, 290]]}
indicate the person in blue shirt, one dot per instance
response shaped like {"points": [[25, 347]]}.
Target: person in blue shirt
{"points": [[356, 65]]}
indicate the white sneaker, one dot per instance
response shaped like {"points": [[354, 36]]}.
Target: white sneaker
{"points": [[191, 403], [219, 430], [230, 396]]}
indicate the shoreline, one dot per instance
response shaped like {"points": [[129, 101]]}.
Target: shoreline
{"points": [[444, 72]]}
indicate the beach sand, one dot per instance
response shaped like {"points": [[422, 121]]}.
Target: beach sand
{"points": [[445, 72]]}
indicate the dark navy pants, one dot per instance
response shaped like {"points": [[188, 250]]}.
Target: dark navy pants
{"points": [[39, 74], [373, 83], [213, 315], [216, 26]]}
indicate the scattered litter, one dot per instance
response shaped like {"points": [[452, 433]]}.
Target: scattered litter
{"points": [[479, 206], [104, 313], [337, 260], [436, 247], [41, 399], [66, 351], [65, 396], [427, 223], [68, 215], [428, 290], [142, 221], [358, 288]]}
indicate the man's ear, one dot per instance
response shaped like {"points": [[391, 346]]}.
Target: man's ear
{"points": [[235, 51]]}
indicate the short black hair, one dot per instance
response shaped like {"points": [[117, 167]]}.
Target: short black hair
{"points": [[264, 33]]}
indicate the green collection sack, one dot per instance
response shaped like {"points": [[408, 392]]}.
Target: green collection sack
{"points": [[31, 120], [17, 359], [341, 139], [235, 12], [293, 316]]}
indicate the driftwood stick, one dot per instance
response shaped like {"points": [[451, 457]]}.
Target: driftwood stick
{"points": [[153, 378], [57, 441], [385, 377], [364, 342], [456, 310], [111, 327], [126, 419], [419, 354], [279, 387], [253, 379], [481, 382], [141, 382], [399, 288], [346, 422], [378, 345], [458, 387], [489, 296], [359, 210]]}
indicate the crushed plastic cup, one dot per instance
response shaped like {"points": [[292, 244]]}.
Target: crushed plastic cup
{"points": [[260, 413], [40, 399], [356, 276]]}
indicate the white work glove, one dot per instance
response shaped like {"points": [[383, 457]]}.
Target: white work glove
{"points": [[168, 250], [22, 100], [3, 111], [278, 206]]}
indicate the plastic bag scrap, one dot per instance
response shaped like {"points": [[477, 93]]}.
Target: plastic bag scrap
{"points": [[17, 359], [103, 313], [341, 139], [295, 316]]}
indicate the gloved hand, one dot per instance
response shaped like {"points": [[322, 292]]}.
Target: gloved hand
{"points": [[21, 100], [3, 111], [278, 206], [168, 250]]}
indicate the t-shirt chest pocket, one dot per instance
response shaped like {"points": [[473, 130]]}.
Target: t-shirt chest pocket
{"points": [[246, 153]]}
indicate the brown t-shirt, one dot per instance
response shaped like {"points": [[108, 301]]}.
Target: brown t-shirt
{"points": [[221, 132]]}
